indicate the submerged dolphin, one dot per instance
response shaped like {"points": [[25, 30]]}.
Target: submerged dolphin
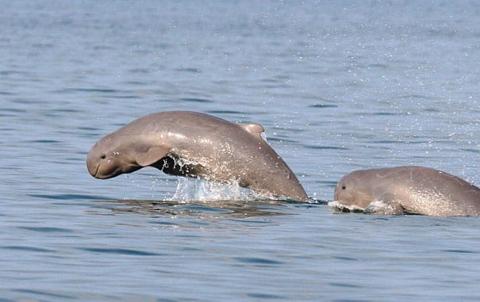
{"points": [[409, 190], [196, 145]]}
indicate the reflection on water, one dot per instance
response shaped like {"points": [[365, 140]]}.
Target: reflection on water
{"points": [[214, 209], [205, 200]]}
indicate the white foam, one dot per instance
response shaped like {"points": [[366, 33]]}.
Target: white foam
{"points": [[378, 206], [384, 208], [347, 208]]}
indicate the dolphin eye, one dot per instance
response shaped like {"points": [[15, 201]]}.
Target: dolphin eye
{"points": [[343, 187], [103, 156]]}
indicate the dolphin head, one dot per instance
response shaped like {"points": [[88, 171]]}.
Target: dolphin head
{"points": [[354, 190], [109, 157]]}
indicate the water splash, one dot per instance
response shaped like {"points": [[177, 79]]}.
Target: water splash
{"points": [[194, 189], [203, 189]]}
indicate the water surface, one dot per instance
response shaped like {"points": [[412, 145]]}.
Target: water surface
{"points": [[338, 86]]}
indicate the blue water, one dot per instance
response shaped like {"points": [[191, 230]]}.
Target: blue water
{"points": [[339, 86]]}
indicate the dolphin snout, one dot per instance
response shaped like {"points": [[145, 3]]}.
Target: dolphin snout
{"points": [[93, 169], [95, 172], [92, 165]]}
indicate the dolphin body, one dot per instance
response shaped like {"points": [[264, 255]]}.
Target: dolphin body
{"points": [[194, 144], [407, 190]]}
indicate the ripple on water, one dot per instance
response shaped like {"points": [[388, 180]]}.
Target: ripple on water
{"points": [[385, 113], [89, 90], [255, 261], [351, 300], [316, 147], [344, 285], [44, 141], [46, 229], [196, 100], [282, 140], [343, 258], [320, 106], [26, 248], [46, 294], [189, 70], [69, 196], [470, 150], [120, 251], [264, 296], [13, 110], [225, 112], [460, 251]]}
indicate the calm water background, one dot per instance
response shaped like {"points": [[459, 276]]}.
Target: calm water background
{"points": [[338, 86]]}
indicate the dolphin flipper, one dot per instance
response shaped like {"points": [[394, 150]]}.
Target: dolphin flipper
{"points": [[150, 155]]}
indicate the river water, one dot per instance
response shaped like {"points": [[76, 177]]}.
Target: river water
{"points": [[338, 86]]}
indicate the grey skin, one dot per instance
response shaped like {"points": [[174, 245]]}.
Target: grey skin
{"points": [[407, 190], [194, 144]]}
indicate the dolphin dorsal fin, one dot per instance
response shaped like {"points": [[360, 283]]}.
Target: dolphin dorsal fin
{"points": [[255, 129]]}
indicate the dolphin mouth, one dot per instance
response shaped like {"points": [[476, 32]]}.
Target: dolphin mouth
{"points": [[100, 175], [94, 174]]}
